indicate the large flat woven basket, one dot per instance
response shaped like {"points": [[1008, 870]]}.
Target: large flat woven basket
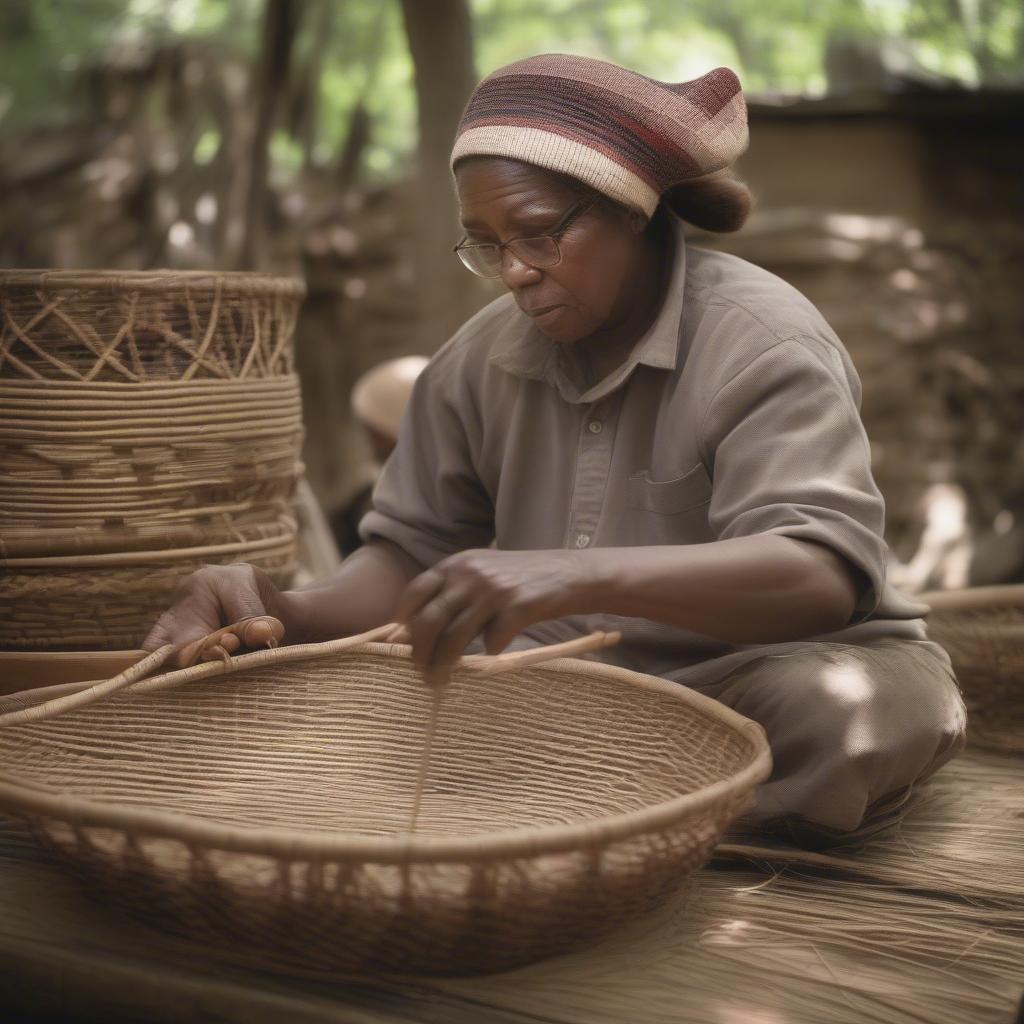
{"points": [[286, 810]]}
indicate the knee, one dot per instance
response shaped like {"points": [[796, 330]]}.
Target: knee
{"points": [[869, 711], [851, 730]]}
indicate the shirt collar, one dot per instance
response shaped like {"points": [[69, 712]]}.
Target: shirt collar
{"points": [[521, 349]]}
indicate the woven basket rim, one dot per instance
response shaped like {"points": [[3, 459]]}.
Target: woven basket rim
{"points": [[28, 539], [966, 599], [284, 525], [27, 796], [195, 281]]}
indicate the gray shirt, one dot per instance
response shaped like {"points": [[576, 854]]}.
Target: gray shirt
{"points": [[737, 413]]}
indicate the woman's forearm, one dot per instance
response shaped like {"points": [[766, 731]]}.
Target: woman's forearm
{"points": [[362, 593], [747, 590]]}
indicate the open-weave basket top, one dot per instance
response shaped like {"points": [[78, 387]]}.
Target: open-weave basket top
{"points": [[115, 326], [320, 756]]}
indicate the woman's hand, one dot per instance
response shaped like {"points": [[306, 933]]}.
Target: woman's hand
{"points": [[496, 593], [216, 596]]}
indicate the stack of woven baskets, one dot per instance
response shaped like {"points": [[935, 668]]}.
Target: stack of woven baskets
{"points": [[150, 423]]}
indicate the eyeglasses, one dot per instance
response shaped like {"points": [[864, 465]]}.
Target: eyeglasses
{"points": [[540, 251]]}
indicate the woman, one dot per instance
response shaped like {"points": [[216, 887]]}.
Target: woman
{"points": [[657, 439]]}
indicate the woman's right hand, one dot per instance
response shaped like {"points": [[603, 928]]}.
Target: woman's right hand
{"points": [[216, 596]]}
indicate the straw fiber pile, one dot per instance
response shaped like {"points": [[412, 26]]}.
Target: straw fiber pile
{"points": [[149, 423], [558, 802]]}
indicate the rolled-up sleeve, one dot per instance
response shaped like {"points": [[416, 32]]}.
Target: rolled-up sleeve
{"points": [[789, 455], [429, 500]]}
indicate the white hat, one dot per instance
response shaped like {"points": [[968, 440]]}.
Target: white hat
{"points": [[380, 395]]}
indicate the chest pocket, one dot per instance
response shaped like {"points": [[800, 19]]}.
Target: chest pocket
{"points": [[686, 493], [669, 511]]}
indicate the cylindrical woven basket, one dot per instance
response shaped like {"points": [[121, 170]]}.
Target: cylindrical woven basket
{"points": [[110, 600], [982, 630], [150, 422], [269, 814]]}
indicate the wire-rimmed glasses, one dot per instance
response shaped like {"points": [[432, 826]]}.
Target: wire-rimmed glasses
{"points": [[540, 251]]}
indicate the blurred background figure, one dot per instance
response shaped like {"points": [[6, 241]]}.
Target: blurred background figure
{"points": [[379, 399]]}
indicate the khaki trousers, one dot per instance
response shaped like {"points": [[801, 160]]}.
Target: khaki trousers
{"points": [[852, 729]]}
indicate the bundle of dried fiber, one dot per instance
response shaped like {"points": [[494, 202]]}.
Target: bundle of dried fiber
{"points": [[737, 949], [961, 834]]}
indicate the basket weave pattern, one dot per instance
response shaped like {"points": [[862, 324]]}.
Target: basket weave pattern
{"points": [[132, 327], [141, 415], [982, 630], [156, 458], [269, 813], [82, 602]]}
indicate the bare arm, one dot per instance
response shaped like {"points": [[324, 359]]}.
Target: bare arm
{"points": [[745, 590], [362, 593]]}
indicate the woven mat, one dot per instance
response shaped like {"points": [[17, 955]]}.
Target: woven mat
{"points": [[924, 925]]}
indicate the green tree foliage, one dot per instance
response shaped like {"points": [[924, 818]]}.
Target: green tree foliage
{"points": [[777, 46], [47, 45], [353, 55]]}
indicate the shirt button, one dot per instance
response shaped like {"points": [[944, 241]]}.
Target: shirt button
{"points": [[582, 540], [594, 427]]}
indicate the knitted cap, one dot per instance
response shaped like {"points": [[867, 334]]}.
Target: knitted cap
{"points": [[625, 135]]}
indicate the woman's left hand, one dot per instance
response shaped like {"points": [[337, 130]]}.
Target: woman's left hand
{"points": [[496, 593]]}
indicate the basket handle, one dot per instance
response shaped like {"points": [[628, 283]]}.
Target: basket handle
{"points": [[211, 649], [493, 664], [218, 645], [90, 693]]}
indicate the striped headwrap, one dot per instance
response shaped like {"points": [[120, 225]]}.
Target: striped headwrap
{"points": [[627, 136]]}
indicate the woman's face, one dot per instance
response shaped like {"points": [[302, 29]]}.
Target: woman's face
{"points": [[591, 288]]}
